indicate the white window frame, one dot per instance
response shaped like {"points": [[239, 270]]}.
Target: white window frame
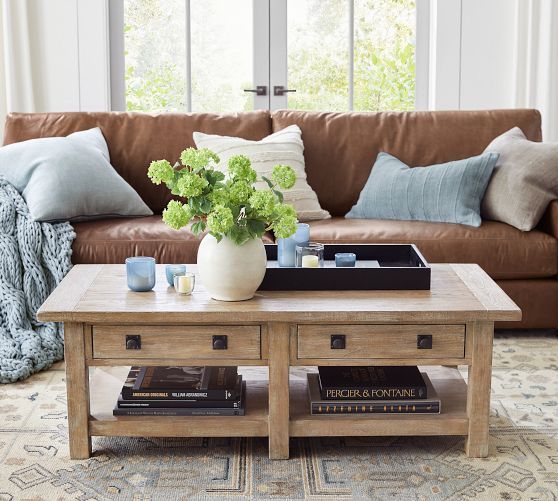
{"points": [[437, 53]]}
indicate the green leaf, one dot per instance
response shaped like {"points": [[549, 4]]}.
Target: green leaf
{"points": [[205, 205], [268, 181], [239, 234], [198, 227], [194, 203], [256, 227], [217, 236], [214, 176], [279, 195]]}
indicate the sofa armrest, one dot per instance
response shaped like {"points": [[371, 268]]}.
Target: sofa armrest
{"points": [[549, 222]]}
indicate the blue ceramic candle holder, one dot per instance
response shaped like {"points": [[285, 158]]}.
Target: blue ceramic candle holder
{"points": [[345, 260], [172, 270], [140, 272], [286, 246]]}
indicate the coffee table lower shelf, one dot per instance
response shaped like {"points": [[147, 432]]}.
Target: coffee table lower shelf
{"points": [[106, 383]]}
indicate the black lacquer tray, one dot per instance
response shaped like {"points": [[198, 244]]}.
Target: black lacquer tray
{"points": [[379, 267]]}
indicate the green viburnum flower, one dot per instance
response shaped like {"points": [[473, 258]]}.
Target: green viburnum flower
{"points": [[284, 176], [264, 202], [241, 168], [284, 224], [176, 215], [160, 171], [190, 184], [220, 220], [240, 192], [219, 196], [197, 159]]}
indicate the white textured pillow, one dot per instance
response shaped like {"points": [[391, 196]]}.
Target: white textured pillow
{"points": [[282, 147]]}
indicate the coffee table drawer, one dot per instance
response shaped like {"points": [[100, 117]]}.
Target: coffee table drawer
{"points": [[381, 341], [241, 342]]}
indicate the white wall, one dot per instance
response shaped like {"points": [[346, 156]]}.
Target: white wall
{"points": [[488, 51], [488, 54], [69, 53]]}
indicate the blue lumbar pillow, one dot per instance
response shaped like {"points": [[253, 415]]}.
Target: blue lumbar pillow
{"points": [[69, 178], [446, 193]]}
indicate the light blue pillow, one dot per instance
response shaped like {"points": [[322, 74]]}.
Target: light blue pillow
{"points": [[445, 193], [69, 178]]}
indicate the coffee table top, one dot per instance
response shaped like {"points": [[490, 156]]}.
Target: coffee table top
{"points": [[99, 294]]}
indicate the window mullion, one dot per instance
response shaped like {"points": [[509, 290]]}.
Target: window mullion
{"points": [[351, 53], [188, 65]]}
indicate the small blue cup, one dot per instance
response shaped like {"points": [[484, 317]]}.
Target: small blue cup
{"points": [[140, 272], [171, 270], [345, 260]]}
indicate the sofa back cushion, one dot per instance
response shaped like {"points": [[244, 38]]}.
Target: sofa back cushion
{"points": [[340, 148], [135, 139]]}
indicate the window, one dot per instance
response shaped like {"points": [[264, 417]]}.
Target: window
{"points": [[214, 55]]}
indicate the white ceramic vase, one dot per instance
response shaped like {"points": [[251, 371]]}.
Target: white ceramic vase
{"points": [[231, 272]]}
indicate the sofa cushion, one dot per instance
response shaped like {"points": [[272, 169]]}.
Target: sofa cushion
{"points": [[340, 148], [446, 193], [113, 240], [284, 147], [524, 182], [503, 251], [69, 178], [135, 139]]}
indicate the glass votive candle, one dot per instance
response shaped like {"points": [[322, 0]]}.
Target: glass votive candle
{"points": [[171, 270], [310, 256], [140, 272], [184, 284], [286, 247], [345, 260]]}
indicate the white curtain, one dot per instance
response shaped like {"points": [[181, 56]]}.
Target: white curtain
{"points": [[537, 61], [16, 75]]}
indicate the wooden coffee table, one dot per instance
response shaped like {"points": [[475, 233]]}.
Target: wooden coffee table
{"points": [[102, 320]]}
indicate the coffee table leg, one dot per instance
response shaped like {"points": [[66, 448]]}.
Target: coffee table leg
{"points": [[478, 392], [77, 387], [278, 391]]}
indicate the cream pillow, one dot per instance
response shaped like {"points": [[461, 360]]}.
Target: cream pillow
{"points": [[282, 147], [524, 182]]}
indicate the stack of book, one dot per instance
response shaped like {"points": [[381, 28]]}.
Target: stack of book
{"points": [[365, 390], [182, 391]]}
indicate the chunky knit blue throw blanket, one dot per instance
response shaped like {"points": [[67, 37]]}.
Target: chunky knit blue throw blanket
{"points": [[34, 257]]}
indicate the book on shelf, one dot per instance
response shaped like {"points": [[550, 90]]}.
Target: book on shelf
{"points": [[181, 383], [372, 383], [181, 402], [186, 411], [318, 405]]}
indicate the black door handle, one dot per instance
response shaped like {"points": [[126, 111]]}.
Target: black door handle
{"points": [[260, 90], [279, 90]]}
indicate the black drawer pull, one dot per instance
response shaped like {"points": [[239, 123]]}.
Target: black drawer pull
{"points": [[133, 342], [424, 341], [338, 341], [219, 342]]}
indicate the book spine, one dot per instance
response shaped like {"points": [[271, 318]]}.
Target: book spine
{"points": [[375, 393], [131, 394], [179, 412], [177, 404], [372, 408]]}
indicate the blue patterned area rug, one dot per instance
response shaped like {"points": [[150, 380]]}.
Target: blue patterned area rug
{"points": [[523, 462]]}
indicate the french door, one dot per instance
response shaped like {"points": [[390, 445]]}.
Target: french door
{"points": [[223, 55]]}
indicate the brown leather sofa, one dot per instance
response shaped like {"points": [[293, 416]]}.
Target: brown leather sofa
{"points": [[340, 149]]}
